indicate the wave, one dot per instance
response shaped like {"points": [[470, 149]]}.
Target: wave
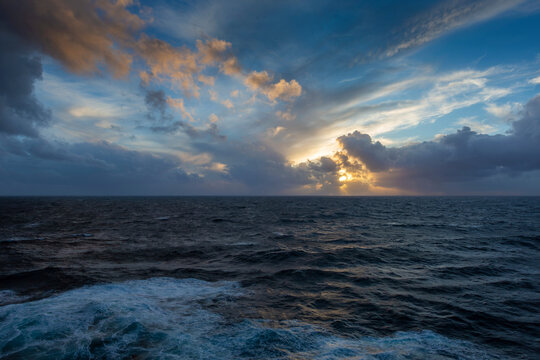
{"points": [[10, 297], [166, 318]]}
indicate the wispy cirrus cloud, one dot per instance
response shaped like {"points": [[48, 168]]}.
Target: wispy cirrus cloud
{"points": [[444, 18]]}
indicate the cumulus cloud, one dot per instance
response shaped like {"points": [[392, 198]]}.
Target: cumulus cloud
{"points": [[336, 175], [182, 67], [284, 90], [20, 112], [167, 63], [227, 103], [373, 154], [257, 79], [231, 66], [463, 156], [212, 51]]}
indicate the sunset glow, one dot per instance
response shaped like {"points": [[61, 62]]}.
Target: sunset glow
{"points": [[217, 97]]}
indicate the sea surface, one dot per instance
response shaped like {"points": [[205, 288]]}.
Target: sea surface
{"points": [[270, 278]]}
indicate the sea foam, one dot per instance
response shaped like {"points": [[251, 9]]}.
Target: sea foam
{"points": [[165, 318]]}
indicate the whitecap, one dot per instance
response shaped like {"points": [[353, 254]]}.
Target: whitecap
{"points": [[164, 318], [31, 225], [243, 243], [82, 235]]}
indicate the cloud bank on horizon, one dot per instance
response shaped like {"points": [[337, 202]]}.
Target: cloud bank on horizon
{"points": [[123, 97]]}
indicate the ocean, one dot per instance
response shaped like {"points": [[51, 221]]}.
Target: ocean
{"points": [[270, 278]]}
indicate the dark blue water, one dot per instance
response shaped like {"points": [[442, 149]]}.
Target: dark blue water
{"points": [[270, 278]]}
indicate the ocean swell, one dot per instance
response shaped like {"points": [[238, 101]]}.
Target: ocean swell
{"points": [[166, 318]]}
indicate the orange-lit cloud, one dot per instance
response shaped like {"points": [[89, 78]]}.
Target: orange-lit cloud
{"points": [[284, 90], [178, 104], [89, 36], [212, 51], [83, 35], [285, 115]]}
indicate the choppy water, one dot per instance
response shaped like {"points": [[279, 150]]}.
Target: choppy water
{"points": [[276, 278]]}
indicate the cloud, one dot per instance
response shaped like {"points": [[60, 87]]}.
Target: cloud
{"points": [[159, 103], [156, 101], [373, 154], [213, 118], [178, 104], [89, 36], [207, 80], [99, 168], [102, 168], [257, 167], [20, 112], [444, 18], [336, 175], [231, 66], [506, 112], [476, 125], [228, 104], [257, 79], [395, 100], [182, 67], [83, 35], [535, 81], [285, 115], [459, 157], [171, 64], [276, 130], [212, 51], [283, 90]]}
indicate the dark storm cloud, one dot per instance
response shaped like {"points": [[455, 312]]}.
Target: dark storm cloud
{"points": [[462, 156], [374, 155], [20, 112], [261, 169], [103, 168], [90, 169]]}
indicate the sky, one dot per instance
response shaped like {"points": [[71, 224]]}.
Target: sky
{"points": [[241, 97]]}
